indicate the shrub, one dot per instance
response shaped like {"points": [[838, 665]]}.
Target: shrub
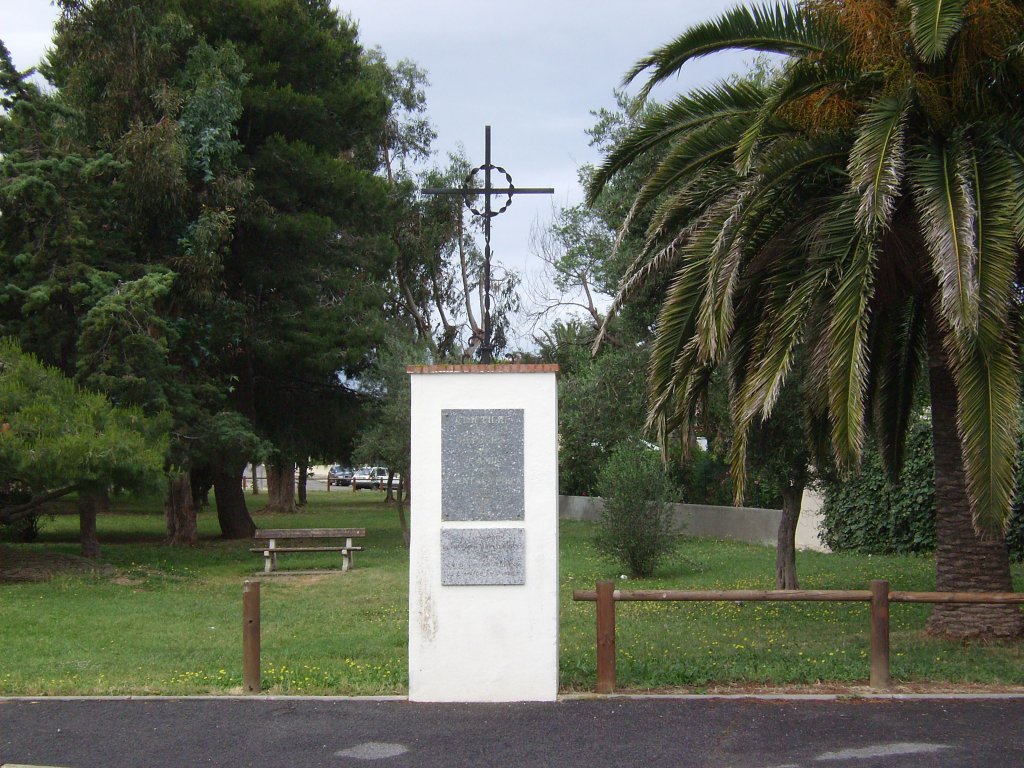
{"points": [[22, 531], [872, 514], [636, 523]]}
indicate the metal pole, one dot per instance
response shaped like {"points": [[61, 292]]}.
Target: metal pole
{"points": [[251, 636], [605, 637], [879, 634], [486, 355]]}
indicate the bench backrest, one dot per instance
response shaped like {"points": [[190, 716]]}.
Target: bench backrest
{"points": [[309, 533]]}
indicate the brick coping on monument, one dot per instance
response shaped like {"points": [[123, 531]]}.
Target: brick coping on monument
{"points": [[481, 368]]}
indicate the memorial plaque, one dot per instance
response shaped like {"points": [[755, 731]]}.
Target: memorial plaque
{"points": [[482, 475], [482, 556]]}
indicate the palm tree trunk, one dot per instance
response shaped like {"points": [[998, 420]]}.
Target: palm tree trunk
{"points": [[964, 562]]}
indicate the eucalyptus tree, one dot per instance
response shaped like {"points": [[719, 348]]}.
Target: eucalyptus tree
{"points": [[241, 212], [865, 203]]}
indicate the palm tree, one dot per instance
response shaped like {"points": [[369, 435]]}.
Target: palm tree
{"points": [[863, 205]]}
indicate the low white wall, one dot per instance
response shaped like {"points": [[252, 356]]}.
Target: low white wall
{"points": [[750, 524]]}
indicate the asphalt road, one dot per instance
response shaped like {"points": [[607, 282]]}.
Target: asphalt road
{"points": [[590, 733]]}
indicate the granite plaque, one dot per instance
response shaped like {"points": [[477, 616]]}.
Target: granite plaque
{"points": [[480, 556], [482, 464]]}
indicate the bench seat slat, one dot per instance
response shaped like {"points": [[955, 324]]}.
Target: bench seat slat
{"points": [[309, 533]]}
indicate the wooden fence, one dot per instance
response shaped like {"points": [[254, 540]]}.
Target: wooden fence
{"points": [[878, 596]]}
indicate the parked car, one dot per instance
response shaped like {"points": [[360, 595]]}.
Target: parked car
{"points": [[339, 475], [370, 477]]}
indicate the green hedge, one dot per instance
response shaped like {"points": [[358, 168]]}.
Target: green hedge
{"points": [[869, 513]]}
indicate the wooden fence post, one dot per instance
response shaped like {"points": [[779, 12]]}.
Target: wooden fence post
{"points": [[605, 637], [251, 636], [879, 634]]}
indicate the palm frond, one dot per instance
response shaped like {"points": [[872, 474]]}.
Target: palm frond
{"points": [[988, 418], [877, 160], [778, 173], [688, 156], [701, 248], [766, 342], [899, 354], [997, 193], [946, 209], [1015, 158], [714, 319], [676, 323], [681, 206], [801, 79], [778, 28], [848, 344], [780, 331], [643, 268], [659, 127], [933, 23], [738, 463]]}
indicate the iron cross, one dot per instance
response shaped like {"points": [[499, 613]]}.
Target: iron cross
{"points": [[468, 191]]}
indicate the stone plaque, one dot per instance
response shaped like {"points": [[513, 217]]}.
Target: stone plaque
{"points": [[482, 464], [479, 556]]}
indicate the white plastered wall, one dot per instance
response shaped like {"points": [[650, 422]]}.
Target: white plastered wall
{"points": [[484, 643]]}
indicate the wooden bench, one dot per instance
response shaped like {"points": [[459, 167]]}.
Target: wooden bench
{"points": [[271, 549]]}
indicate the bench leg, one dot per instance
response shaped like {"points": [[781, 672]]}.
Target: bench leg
{"points": [[346, 556]]}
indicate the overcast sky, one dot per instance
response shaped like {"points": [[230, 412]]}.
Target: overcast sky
{"points": [[531, 69]]}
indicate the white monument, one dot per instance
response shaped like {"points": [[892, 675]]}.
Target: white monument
{"points": [[483, 565]]}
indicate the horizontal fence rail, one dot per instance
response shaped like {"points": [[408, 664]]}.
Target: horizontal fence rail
{"points": [[879, 597]]}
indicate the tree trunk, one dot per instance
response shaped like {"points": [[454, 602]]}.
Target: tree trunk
{"points": [[180, 511], [402, 519], [390, 497], [202, 482], [303, 478], [785, 548], [280, 488], [255, 481], [964, 562], [90, 503], [232, 514]]}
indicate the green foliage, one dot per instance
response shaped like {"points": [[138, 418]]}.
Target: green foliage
{"points": [[56, 437], [704, 479], [386, 438], [601, 406], [213, 80], [874, 514], [636, 522], [407, 134], [190, 222], [124, 342], [23, 530]]}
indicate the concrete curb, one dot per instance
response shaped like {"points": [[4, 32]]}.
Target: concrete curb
{"points": [[562, 697]]}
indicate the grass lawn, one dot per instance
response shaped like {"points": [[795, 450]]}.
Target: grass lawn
{"points": [[156, 619]]}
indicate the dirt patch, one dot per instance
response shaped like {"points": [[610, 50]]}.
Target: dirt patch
{"points": [[299, 580], [127, 581], [20, 565]]}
